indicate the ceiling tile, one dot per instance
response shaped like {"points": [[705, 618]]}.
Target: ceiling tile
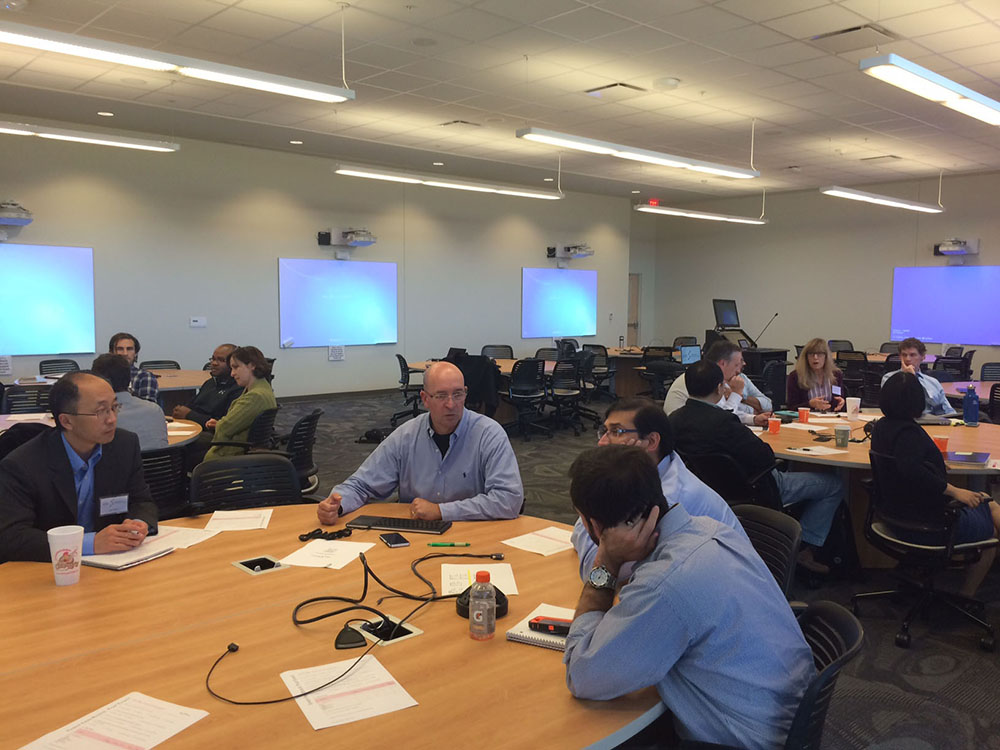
{"points": [[396, 81], [959, 39], [528, 13], [253, 25], [448, 92], [380, 56], [644, 11], [585, 24], [47, 80], [473, 25], [76, 12], [755, 10], [214, 41], [810, 23], [881, 10], [136, 24], [985, 53], [188, 11], [700, 23], [635, 40], [296, 11], [526, 41], [781, 54], [416, 13], [821, 66], [953, 16]]}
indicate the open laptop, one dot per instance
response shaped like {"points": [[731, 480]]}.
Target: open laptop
{"points": [[690, 354]]}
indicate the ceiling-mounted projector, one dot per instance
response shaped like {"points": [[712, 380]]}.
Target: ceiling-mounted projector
{"points": [[14, 214], [581, 250], [956, 246], [356, 238]]}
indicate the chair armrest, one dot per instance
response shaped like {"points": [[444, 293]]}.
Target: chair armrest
{"points": [[696, 745], [761, 474], [798, 607]]}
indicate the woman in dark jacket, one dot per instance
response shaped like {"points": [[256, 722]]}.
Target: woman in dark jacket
{"points": [[814, 379]]}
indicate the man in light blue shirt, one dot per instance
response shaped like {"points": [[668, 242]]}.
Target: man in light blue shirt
{"points": [[135, 414], [450, 463], [741, 396], [701, 618], [911, 354], [638, 421]]}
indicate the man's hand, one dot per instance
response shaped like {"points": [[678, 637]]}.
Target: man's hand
{"points": [[425, 509], [761, 419], [180, 412], [966, 497], [328, 511], [909, 368], [119, 537], [210, 424], [736, 384], [627, 542]]}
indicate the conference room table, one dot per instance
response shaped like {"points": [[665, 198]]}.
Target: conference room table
{"points": [[158, 627], [881, 357], [956, 390], [176, 386], [179, 431]]}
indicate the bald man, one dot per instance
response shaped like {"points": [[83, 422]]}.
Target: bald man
{"points": [[449, 463]]}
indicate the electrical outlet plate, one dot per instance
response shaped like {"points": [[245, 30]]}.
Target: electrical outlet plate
{"points": [[335, 353], [198, 322], [414, 631]]}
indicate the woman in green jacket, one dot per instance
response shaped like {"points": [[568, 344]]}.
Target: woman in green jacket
{"points": [[251, 371]]}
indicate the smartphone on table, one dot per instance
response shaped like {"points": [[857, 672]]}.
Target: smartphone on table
{"points": [[393, 539]]}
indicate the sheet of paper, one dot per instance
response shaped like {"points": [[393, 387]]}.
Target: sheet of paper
{"points": [[457, 578], [547, 541], [239, 520], [182, 538], [32, 417], [754, 427], [367, 690], [324, 553], [808, 426], [180, 429], [817, 450], [135, 722]]}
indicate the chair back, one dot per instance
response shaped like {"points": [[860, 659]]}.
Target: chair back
{"points": [[498, 351], [597, 349], [527, 378], [207, 366], [565, 375], [967, 364], [889, 347], [261, 432], [585, 360], [235, 482], [990, 371], [954, 351], [566, 348], [953, 365], [159, 364], [993, 407], [548, 353], [57, 366], [798, 350], [837, 345], [891, 491], [835, 637], [18, 434], [892, 363], [25, 399], [404, 371], [300, 445], [774, 383], [653, 353], [776, 536], [724, 475], [680, 341], [167, 479]]}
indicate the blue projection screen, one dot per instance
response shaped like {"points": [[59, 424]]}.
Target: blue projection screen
{"points": [[336, 302], [47, 295], [557, 302], [954, 304]]}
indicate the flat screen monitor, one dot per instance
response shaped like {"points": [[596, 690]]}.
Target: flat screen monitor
{"points": [[725, 313], [558, 302], [690, 354], [336, 302], [946, 303], [46, 299]]}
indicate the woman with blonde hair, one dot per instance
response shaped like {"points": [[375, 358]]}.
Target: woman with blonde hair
{"points": [[815, 382]]}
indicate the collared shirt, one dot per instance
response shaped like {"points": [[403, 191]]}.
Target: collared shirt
{"points": [[83, 480], [477, 479], [144, 384], [143, 418], [703, 620], [679, 485], [677, 396], [936, 402]]}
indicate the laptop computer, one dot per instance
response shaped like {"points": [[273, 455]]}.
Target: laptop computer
{"points": [[690, 354]]}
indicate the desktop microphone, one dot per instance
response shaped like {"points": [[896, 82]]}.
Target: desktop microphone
{"points": [[766, 327]]}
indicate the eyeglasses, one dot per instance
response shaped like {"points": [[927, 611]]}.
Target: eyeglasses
{"points": [[613, 431], [102, 413], [455, 396]]}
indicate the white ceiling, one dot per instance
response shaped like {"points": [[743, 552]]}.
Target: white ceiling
{"points": [[506, 64]]}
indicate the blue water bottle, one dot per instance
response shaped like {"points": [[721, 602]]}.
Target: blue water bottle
{"points": [[970, 407]]}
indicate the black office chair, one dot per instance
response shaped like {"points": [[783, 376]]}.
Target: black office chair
{"points": [[872, 388], [773, 382], [680, 341], [721, 472], [853, 365], [238, 482], [892, 363], [207, 366], [25, 399], [585, 366], [498, 351], [159, 364], [566, 348], [602, 371], [410, 391], [954, 351], [547, 353], [967, 364], [564, 394], [18, 434], [776, 536], [167, 479], [838, 345], [526, 393], [57, 366], [260, 435], [953, 365], [889, 347], [919, 563], [298, 448], [660, 371], [990, 371]]}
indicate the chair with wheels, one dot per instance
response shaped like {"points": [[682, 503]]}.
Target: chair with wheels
{"points": [[566, 348], [585, 364], [990, 371], [25, 399], [724, 475], [167, 479], [602, 371], [410, 391], [892, 363], [854, 365], [57, 366], [659, 370], [237, 482], [298, 448], [840, 345], [260, 435], [564, 395], [526, 393], [993, 406], [953, 365], [889, 347], [954, 351], [967, 364], [773, 382], [498, 351], [159, 364], [776, 536], [547, 353], [920, 564]]}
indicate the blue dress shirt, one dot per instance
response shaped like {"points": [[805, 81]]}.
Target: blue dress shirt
{"points": [[937, 402], [83, 479], [703, 620], [477, 479]]}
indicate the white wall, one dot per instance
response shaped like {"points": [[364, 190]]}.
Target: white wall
{"points": [[199, 232], [824, 264], [643, 261]]}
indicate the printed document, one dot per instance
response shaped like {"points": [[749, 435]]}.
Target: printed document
{"points": [[324, 553], [239, 520], [547, 541], [457, 578]]}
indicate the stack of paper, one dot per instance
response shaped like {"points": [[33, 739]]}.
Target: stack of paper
{"points": [[239, 520], [544, 542], [180, 429]]}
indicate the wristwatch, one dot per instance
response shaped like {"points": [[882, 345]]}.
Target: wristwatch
{"points": [[601, 578]]}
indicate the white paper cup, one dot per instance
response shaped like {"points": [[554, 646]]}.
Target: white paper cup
{"points": [[853, 407], [66, 546]]}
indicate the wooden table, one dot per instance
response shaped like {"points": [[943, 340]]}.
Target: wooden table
{"points": [[6, 422], [880, 357], [506, 365], [176, 386], [957, 390], [157, 628]]}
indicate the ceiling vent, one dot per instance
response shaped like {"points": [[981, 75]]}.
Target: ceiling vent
{"points": [[616, 92], [884, 159], [460, 122], [867, 36]]}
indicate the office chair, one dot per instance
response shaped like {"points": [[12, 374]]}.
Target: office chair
{"points": [[498, 351], [798, 350], [837, 345], [566, 348], [721, 472], [773, 382], [602, 371], [889, 347], [954, 351], [660, 371], [776, 536], [25, 399], [990, 371], [919, 563], [237, 482], [57, 366], [411, 392], [952, 365], [967, 364], [526, 393], [872, 388], [564, 392], [892, 363], [680, 341], [18, 434], [547, 353], [260, 434], [585, 364], [854, 365], [159, 364], [993, 407], [167, 479], [299, 450]]}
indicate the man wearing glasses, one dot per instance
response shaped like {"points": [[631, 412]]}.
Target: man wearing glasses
{"points": [[450, 463], [216, 394], [84, 472]]}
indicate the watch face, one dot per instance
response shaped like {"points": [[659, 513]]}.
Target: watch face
{"points": [[600, 578]]}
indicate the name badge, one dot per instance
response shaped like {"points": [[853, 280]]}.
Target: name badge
{"points": [[114, 505], [836, 390]]}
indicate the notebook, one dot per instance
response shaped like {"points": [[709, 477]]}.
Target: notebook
{"points": [[521, 633], [967, 457], [151, 548]]}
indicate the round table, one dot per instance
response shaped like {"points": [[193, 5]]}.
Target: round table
{"points": [[184, 432]]}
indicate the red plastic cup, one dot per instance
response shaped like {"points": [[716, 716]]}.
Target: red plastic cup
{"points": [[803, 414], [773, 425]]}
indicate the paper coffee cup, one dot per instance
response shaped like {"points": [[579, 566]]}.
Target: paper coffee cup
{"points": [[803, 414], [66, 547], [853, 407], [841, 435], [773, 425]]}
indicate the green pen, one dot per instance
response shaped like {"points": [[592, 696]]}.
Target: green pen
{"points": [[448, 544]]}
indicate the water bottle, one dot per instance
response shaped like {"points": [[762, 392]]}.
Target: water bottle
{"points": [[970, 406], [482, 608], [621, 342]]}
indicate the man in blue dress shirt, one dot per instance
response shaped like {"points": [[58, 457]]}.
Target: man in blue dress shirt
{"points": [[911, 355], [450, 463], [701, 618]]}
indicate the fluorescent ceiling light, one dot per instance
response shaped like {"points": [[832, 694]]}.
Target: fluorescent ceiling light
{"points": [[685, 213], [911, 77], [606, 148], [882, 200], [85, 136], [393, 175], [123, 54]]}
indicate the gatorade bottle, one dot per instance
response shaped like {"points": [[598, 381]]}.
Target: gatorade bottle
{"points": [[482, 608], [970, 407]]}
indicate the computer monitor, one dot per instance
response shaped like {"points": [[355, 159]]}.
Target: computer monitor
{"points": [[725, 313], [690, 354]]}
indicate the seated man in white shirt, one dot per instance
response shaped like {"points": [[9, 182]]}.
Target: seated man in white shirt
{"points": [[742, 397], [911, 355]]}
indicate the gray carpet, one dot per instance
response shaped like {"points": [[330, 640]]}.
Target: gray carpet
{"points": [[941, 693]]}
